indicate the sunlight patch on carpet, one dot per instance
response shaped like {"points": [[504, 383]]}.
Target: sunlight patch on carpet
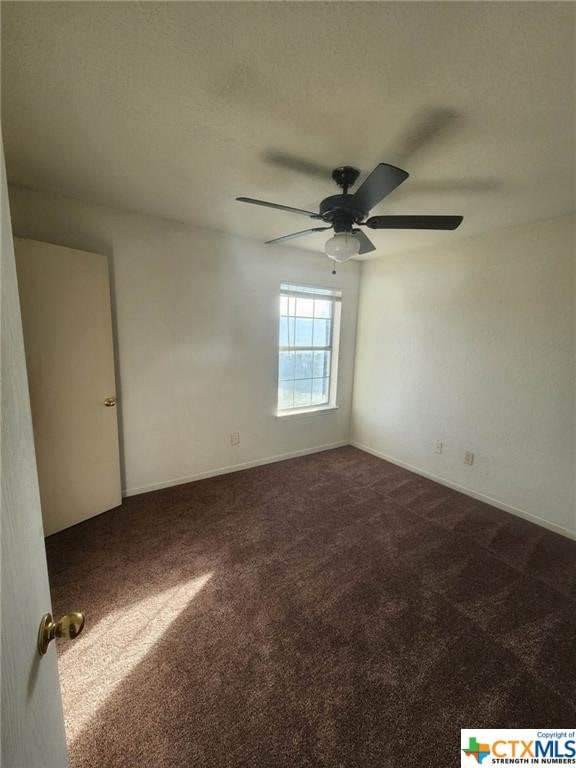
{"points": [[105, 654]]}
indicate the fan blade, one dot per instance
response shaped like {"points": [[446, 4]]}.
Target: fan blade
{"points": [[296, 234], [429, 125], [366, 245], [279, 207], [383, 180], [414, 222], [298, 164]]}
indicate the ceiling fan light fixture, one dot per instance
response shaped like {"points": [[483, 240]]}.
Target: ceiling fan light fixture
{"points": [[342, 246], [345, 211]]}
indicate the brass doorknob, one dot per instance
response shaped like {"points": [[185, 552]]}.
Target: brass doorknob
{"points": [[110, 402], [69, 627]]}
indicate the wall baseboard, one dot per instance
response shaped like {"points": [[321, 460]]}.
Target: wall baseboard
{"points": [[474, 494], [318, 449], [232, 468]]}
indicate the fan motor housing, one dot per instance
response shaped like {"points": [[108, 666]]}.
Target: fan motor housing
{"points": [[339, 209]]}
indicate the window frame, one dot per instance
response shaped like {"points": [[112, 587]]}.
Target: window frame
{"points": [[334, 295]]}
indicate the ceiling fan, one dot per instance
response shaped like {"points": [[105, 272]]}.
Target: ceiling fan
{"points": [[345, 212]]}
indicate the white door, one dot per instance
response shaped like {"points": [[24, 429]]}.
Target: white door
{"points": [[66, 316], [32, 720]]}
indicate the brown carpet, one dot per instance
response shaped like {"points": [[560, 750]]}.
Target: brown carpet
{"points": [[333, 610]]}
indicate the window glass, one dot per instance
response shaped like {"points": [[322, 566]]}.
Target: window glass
{"points": [[319, 391], [285, 395], [303, 364], [304, 307], [284, 338], [321, 333], [321, 364], [309, 319], [302, 393], [286, 366], [322, 308], [303, 332]]}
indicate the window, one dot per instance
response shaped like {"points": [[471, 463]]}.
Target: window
{"points": [[308, 348]]}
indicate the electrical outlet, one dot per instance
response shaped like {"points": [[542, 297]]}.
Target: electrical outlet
{"points": [[235, 438], [469, 458], [438, 446]]}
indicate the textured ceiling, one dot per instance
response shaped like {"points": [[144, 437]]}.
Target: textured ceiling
{"points": [[174, 109]]}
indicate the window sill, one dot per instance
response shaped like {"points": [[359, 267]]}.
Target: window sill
{"points": [[306, 412]]}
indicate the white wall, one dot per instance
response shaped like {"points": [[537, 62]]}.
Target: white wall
{"points": [[196, 325], [472, 343]]}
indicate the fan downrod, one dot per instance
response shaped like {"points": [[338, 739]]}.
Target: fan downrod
{"points": [[345, 177]]}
